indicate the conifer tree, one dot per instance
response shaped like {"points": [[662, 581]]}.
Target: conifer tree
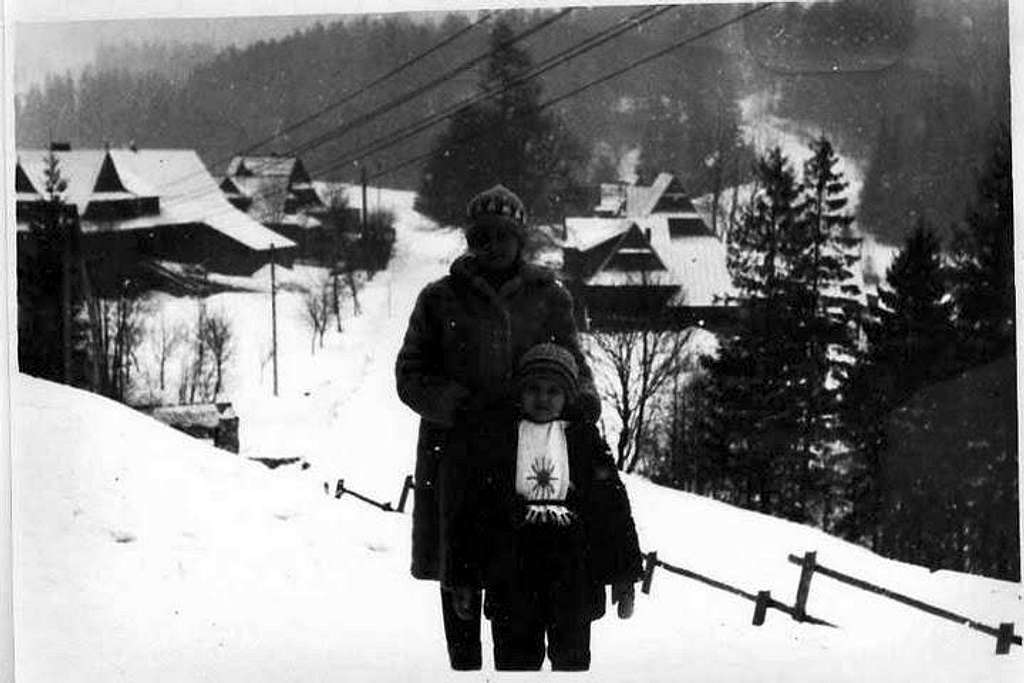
{"points": [[910, 343], [752, 417], [506, 139], [821, 252], [983, 260], [777, 384], [43, 274]]}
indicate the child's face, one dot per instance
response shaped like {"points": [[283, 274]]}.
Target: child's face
{"points": [[543, 399], [495, 248]]}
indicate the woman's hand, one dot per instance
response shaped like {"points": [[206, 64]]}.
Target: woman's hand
{"points": [[463, 600], [624, 594]]}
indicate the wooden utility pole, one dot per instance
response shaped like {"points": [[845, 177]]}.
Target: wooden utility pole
{"points": [[273, 315], [362, 177], [63, 229]]}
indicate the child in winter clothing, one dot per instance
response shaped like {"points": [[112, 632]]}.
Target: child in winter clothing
{"points": [[564, 530], [455, 369]]}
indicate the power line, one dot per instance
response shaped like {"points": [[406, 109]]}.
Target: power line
{"points": [[594, 41], [550, 63], [607, 77], [348, 98], [351, 96], [447, 76], [572, 93], [319, 140]]}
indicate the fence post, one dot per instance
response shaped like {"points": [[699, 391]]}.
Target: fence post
{"points": [[764, 599], [339, 489], [1004, 639], [651, 561], [406, 487], [804, 588]]}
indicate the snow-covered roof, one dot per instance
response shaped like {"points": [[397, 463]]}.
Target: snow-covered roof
{"points": [[188, 193], [584, 233], [696, 263], [641, 199], [264, 166]]}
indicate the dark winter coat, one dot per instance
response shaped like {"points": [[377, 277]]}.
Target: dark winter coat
{"points": [[455, 369], [559, 571]]}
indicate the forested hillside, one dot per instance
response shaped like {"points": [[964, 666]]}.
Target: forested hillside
{"points": [[921, 85]]}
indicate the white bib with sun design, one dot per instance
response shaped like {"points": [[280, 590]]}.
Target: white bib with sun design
{"points": [[542, 471]]}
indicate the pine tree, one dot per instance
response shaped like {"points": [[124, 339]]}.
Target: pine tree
{"points": [[820, 290], [42, 273], [752, 416], [983, 260], [777, 384], [506, 139], [910, 343]]}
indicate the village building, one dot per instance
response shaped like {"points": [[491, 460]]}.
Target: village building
{"points": [[153, 217], [278, 192], [646, 254]]}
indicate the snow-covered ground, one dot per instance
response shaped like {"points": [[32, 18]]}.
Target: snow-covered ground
{"points": [[143, 555]]}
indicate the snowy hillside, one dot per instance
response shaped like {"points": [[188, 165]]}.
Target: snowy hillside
{"points": [[143, 555]]}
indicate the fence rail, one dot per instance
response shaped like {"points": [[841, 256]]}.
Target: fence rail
{"points": [[1004, 634], [762, 600], [340, 489]]}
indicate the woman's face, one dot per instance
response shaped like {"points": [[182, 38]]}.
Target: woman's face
{"points": [[543, 399], [496, 248]]}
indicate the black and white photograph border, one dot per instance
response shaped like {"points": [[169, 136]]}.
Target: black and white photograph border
{"points": [[233, 397]]}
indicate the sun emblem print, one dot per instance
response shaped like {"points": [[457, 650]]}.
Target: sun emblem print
{"points": [[543, 478]]}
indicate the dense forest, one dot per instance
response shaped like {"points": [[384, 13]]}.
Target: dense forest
{"points": [[911, 90]]}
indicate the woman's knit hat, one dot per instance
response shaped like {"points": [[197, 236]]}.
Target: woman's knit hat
{"points": [[499, 207], [550, 360]]}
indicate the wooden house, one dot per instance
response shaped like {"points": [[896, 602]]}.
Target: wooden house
{"points": [[137, 208], [646, 254], [278, 192]]}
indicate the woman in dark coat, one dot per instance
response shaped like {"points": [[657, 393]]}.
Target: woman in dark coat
{"points": [[455, 369]]}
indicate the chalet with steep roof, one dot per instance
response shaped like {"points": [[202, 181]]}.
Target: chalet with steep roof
{"points": [[278, 192], [646, 252], [145, 209]]}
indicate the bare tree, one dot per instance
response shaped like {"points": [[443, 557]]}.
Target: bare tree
{"points": [[196, 375], [217, 331], [317, 300], [167, 338], [352, 278], [115, 333], [635, 364]]}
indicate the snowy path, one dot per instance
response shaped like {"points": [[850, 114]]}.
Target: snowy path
{"points": [[143, 555]]}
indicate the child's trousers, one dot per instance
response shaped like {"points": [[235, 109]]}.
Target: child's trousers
{"points": [[519, 644], [545, 594]]}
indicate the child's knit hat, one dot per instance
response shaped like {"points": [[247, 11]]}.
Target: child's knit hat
{"points": [[550, 360], [498, 206]]}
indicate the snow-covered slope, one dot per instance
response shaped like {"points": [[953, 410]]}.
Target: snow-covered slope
{"points": [[142, 555]]}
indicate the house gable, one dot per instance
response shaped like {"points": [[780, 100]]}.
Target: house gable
{"points": [[227, 185], [299, 176], [238, 168], [634, 253], [108, 179], [673, 199], [22, 183]]}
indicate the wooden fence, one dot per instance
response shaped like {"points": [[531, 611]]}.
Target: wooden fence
{"points": [[1004, 634], [762, 599], [340, 489]]}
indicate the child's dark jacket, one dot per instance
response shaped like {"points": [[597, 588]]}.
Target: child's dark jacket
{"points": [[598, 549]]}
